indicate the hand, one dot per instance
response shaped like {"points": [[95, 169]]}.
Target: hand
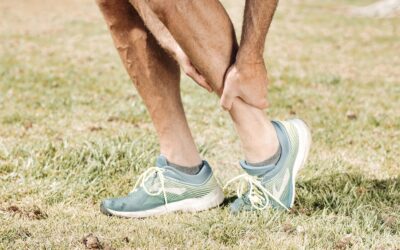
{"points": [[190, 70], [247, 82]]}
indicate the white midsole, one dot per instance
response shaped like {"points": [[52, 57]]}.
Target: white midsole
{"points": [[213, 199], [304, 148]]}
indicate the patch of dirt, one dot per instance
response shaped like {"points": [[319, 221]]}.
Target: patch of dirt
{"points": [[344, 243], [351, 115], [288, 227], [28, 125], [13, 209], [361, 191], [90, 241], [113, 119], [95, 128], [33, 213], [389, 220]]}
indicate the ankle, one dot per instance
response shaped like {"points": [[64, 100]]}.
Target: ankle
{"points": [[191, 170], [268, 161], [182, 156], [257, 133], [180, 150], [263, 151]]}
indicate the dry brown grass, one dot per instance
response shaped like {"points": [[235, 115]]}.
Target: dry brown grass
{"points": [[73, 131]]}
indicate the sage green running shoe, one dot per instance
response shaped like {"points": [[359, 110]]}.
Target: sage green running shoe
{"points": [[274, 185], [164, 189]]}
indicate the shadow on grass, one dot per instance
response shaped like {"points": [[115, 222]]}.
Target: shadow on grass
{"points": [[228, 201], [345, 193]]}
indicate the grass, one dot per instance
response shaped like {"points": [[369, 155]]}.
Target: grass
{"points": [[73, 131]]}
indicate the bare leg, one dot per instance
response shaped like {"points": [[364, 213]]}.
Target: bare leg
{"points": [[205, 32], [156, 77]]}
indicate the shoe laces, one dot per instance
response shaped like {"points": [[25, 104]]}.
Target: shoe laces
{"points": [[257, 194], [152, 172]]}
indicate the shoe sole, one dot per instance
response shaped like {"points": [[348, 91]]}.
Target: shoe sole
{"points": [[213, 199], [304, 148]]}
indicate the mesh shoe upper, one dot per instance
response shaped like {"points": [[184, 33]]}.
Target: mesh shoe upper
{"points": [[163, 184], [271, 185]]}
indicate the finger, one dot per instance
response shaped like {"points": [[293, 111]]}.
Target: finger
{"points": [[199, 79], [203, 82]]}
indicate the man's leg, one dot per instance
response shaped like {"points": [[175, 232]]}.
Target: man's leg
{"points": [[276, 150], [204, 31], [156, 77]]}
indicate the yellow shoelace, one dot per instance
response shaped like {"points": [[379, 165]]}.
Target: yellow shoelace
{"points": [[148, 174], [258, 195]]}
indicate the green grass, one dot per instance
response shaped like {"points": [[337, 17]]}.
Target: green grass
{"points": [[73, 131]]}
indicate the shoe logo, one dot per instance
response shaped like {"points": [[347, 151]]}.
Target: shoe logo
{"points": [[278, 193], [177, 191]]}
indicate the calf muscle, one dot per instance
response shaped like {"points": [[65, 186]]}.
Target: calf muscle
{"points": [[156, 76], [205, 32]]}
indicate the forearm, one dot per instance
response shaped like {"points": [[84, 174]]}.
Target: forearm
{"points": [[156, 27], [257, 20]]}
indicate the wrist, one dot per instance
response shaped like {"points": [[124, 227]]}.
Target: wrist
{"points": [[248, 58], [243, 63]]}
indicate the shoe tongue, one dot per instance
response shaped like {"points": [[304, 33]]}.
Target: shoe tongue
{"points": [[161, 161], [256, 171]]}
